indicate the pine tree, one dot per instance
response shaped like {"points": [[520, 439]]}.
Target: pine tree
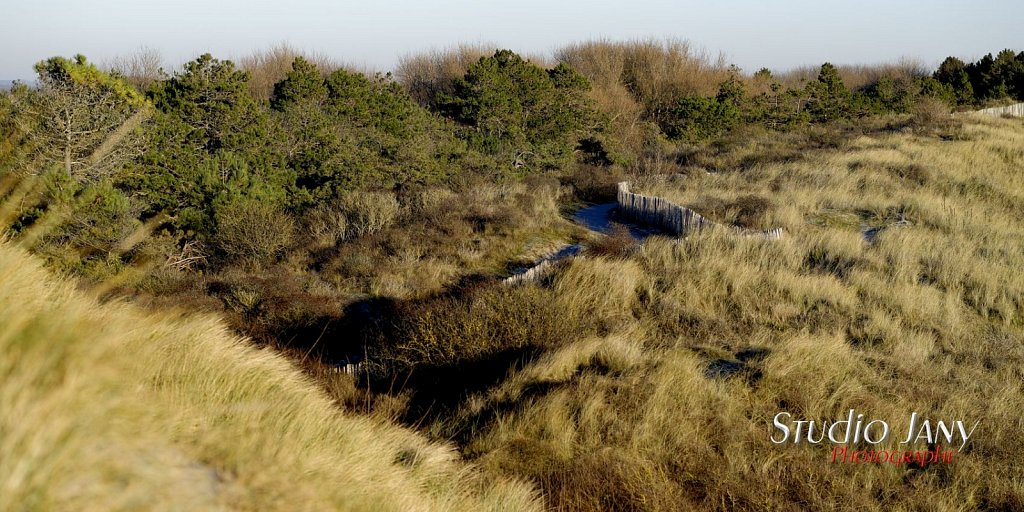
{"points": [[829, 97], [953, 73], [513, 108], [212, 96], [302, 83]]}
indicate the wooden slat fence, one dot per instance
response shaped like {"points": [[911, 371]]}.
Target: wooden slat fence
{"points": [[678, 220]]}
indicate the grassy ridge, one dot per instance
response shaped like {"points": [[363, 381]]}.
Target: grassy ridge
{"points": [[103, 407]]}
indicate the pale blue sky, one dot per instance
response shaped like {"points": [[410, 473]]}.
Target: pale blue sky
{"points": [[776, 34]]}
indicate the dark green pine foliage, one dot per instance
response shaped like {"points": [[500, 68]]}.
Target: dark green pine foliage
{"points": [[830, 100], [1007, 71], [953, 73], [531, 118], [349, 131], [208, 148], [928, 86], [989, 79], [995, 78], [211, 96], [696, 118], [303, 83], [305, 134], [890, 95], [982, 80], [1017, 83], [399, 141]]}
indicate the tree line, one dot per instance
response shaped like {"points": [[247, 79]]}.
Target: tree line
{"points": [[199, 155]]}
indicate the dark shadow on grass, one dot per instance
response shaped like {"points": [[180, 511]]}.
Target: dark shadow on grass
{"points": [[436, 391]]}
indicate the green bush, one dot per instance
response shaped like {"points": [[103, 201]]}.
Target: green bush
{"points": [[212, 97], [83, 229], [988, 79], [302, 83], [208, 147], [349, 131], [891, 95], [528, 116], [830, 100], [952, 73], [698, 119]]}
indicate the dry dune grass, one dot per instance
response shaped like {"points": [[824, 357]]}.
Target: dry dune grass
{"points": [[105, 407], [671, 407]]}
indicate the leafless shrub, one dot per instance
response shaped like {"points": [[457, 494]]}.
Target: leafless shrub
{"points": [[425, 75], [91, 130], [253, 232], [370, 212], [140, 69], [859, 76], [629, 79], [192, 255], [617, 243], [430, 200], [905, 69], [930, 113], [269, 66], [326, 225], [655, 71]]}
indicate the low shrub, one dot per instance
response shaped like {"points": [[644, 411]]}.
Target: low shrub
{"points": [[326, 225], [929, 113], [253, 232], [370, 212], [697, 119], [748, 211], [618, 243], [487, 321]]}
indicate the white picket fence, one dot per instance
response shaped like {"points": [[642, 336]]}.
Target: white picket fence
{"points": [[678, 220], [1009, 110]]}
